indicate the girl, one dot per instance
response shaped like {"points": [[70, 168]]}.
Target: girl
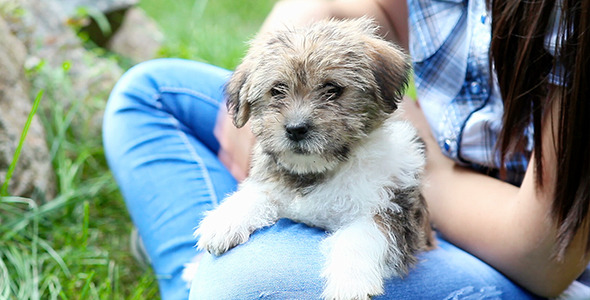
{"points": [[502, 88]]}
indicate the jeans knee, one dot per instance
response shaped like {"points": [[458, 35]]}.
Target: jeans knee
{"points": [[139, 79], [282, 261], [138, 85], [145, 81], [255, 278]]}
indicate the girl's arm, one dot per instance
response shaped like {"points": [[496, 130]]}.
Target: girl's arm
{"points": [[508, 227]]}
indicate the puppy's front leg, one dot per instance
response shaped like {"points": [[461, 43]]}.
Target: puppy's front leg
{"points": [[232, 222], [355, 261]]}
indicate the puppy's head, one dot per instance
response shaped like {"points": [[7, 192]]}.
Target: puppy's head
{"points": [[312, 94]]}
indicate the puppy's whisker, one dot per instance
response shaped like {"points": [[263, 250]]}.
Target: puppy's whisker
{"points": [[276, 119]]}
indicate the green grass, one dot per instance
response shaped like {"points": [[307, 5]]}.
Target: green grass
{"points": [[215, 32], [76, 246], [4, 189]]}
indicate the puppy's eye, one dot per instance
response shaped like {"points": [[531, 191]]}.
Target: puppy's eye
{"points": [[331, 91], [278, 91]]}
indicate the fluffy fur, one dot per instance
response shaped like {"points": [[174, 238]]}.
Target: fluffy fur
{"points": [[331, 152]]}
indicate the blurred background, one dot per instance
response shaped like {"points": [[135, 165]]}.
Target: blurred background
{"points": [[64, 228]]}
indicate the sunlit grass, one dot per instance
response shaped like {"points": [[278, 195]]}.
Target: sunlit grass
{"points": [[76, 245], [211, 31]]}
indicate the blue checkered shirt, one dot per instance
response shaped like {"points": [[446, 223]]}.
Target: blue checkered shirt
{"points": [[449, 45]]}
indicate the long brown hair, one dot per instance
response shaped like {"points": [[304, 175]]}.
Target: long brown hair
{"points": [[523, 64]]}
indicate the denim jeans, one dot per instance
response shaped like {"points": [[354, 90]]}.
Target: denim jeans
{"points": [[159, 143]]}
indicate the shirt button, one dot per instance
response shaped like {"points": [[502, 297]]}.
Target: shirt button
{"points": [[475, 87], [447, 145]]}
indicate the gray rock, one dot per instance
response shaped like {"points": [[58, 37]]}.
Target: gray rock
{"points": [[43, 40], [55, 43], [138, 38], [69, 7], [33, 176]]}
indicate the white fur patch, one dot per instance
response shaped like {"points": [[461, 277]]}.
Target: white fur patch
{"points": [[391, 157], [305, 164], [355, 265], [232, 222], [190, 270]]}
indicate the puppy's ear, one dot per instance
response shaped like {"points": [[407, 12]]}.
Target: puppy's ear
{"points": [[237, 91], [391, 68]]}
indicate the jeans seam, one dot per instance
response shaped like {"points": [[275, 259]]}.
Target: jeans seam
{"points": [[198, 159], [193, 152], [190, 92]]}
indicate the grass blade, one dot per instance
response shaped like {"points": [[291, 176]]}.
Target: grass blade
{"points": [[4, 190], [87, 285]]}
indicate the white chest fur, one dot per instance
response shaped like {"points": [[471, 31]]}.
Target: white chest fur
{"points": [[390, 159]]}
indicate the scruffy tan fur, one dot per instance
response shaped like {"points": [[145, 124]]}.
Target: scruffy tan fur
{"points": [[331, 152]]}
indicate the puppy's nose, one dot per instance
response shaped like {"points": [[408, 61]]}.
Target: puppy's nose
{"points": [[297, 132]]}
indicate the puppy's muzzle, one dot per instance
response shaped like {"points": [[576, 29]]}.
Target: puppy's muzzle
{"points": [[297, 132]]}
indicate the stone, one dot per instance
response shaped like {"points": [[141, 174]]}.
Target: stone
{"points": [[41, 38], [55, 43], [138, 38], [69, 7], [33, 175]]}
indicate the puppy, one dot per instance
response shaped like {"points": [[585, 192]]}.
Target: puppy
{"points": [[331, 152]]}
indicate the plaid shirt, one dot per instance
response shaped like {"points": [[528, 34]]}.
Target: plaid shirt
{"points": [[449, 45]]}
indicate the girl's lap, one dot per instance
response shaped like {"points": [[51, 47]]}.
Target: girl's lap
{"points": [[284, 261]]}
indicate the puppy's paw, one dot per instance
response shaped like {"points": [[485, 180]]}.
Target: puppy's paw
{"points": [[346, 286], [349, 276], [219, 232]]}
